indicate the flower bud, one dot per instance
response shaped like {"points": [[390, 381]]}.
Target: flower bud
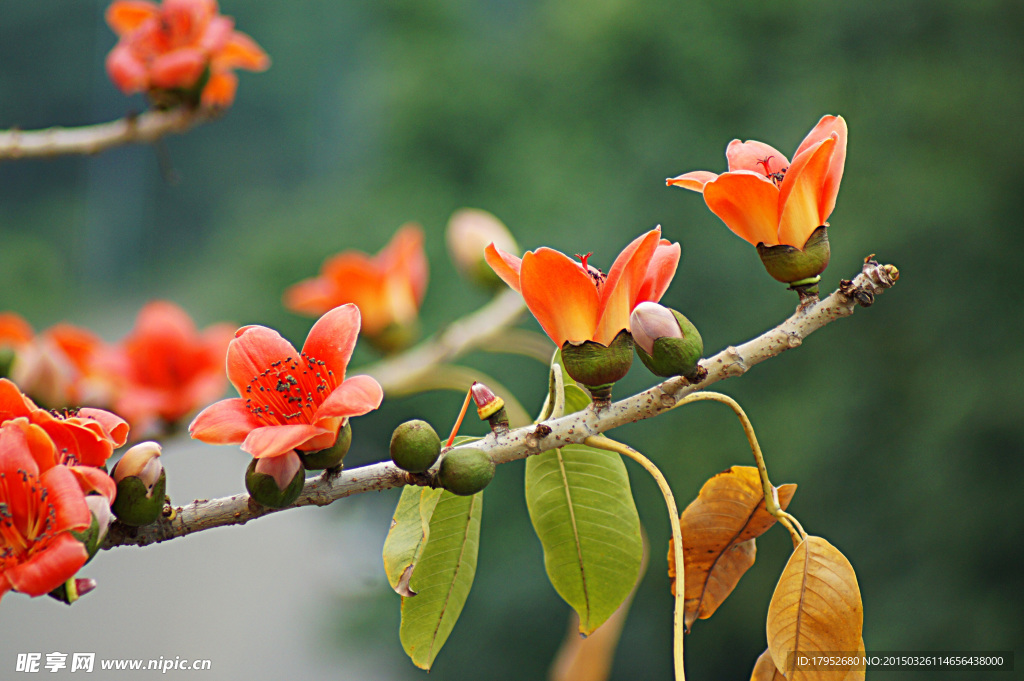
{"points": [[415, 446], [667, 343], [597, 366], [795, 266], [490, 407], [469, 232], [73, 589], [332, 456], [141, 485], [42, 372], [93, 536], [275, 481], [465, 471]]}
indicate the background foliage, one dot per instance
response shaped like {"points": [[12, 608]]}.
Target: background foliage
{"points": [[562, 117]]}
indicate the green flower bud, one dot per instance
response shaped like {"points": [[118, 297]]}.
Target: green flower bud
{"points": [[332, 456], [141, 485], [796, 266], [415, 446], [73, 589], [597, 366], [666, 341], [102, 516], [275, 481], [465, 471]]}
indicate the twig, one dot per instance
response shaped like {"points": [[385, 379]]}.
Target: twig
{"points": [[92, 139], [522, 442]]}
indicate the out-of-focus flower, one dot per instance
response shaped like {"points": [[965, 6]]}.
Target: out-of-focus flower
{"points": [[165, 369], [41, 504], [469, 232], [574, 301], [290, 400], [773, 203], [84, 436], [179, 51], [388, 287], [58, 368]]}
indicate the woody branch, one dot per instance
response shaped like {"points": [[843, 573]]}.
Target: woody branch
{"points": [[522, 442], [92, 139]]}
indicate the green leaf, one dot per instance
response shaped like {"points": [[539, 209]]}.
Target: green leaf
{"points": [[582, 509], [442, 572], [410, 529]]}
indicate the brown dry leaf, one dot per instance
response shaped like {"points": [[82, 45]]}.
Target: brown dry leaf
{"points": [[719, 528], [816, 608], [765, 669]]}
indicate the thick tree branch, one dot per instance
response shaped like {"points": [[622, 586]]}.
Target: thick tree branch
{"points": [[522, 442], [92, 139]]}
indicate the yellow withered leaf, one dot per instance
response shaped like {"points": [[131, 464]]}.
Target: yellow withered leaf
{"points": [[765, 669], [816, 609], [719, 528]]}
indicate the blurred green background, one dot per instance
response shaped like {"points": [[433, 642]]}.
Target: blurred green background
{"points": [[902, 425]]}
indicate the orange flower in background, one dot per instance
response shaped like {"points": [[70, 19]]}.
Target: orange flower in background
{"points": [[388, 287], [14, 330], [165, 368], [41, 503], [82, 436], [57, 368], [766, 199], [575, 302], [174, 46], [290, 400]]}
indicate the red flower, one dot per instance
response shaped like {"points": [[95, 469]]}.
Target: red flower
{"points": [[575, 302], [165, 368], [388, 288], [290, 400], [58, 367], [40, 505], [764, 198], [14, 330], [84, 436], [171, 47]]}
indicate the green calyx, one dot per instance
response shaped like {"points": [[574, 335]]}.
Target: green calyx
{"points": [[135, 504], [332, 456], [465, 471], [598, 366], [263, 488], [90, 538], [415, 446], [394, 337], [675, 356], [792, 265]]}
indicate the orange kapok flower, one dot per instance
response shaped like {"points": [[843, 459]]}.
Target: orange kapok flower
{"points": [[41, 503], [58, 368], [83, 436], [575, 302], [388, 287], [764, 198], [177, 47], [165, 368], [290, 400]]}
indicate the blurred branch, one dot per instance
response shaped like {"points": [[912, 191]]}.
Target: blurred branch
{"points": [[92, 139], [522, 442], [400, 373]]}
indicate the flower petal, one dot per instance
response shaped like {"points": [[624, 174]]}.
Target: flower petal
{"points": [[659, 273], [747, 156], [252, 351], [14, 330], [67, 498], [12, 402], [227, 422], [560, 294], [178, 69], [695, 180], [124, 16], [801, 193], [281, 468], [505, 265], [278, 440], [403, 260], [95, 480], [242, 52], [219, 92], [623, 284], [49, 568], [748, 203], [830, 188], [333, 338], [113, 425], [355, 397]]}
